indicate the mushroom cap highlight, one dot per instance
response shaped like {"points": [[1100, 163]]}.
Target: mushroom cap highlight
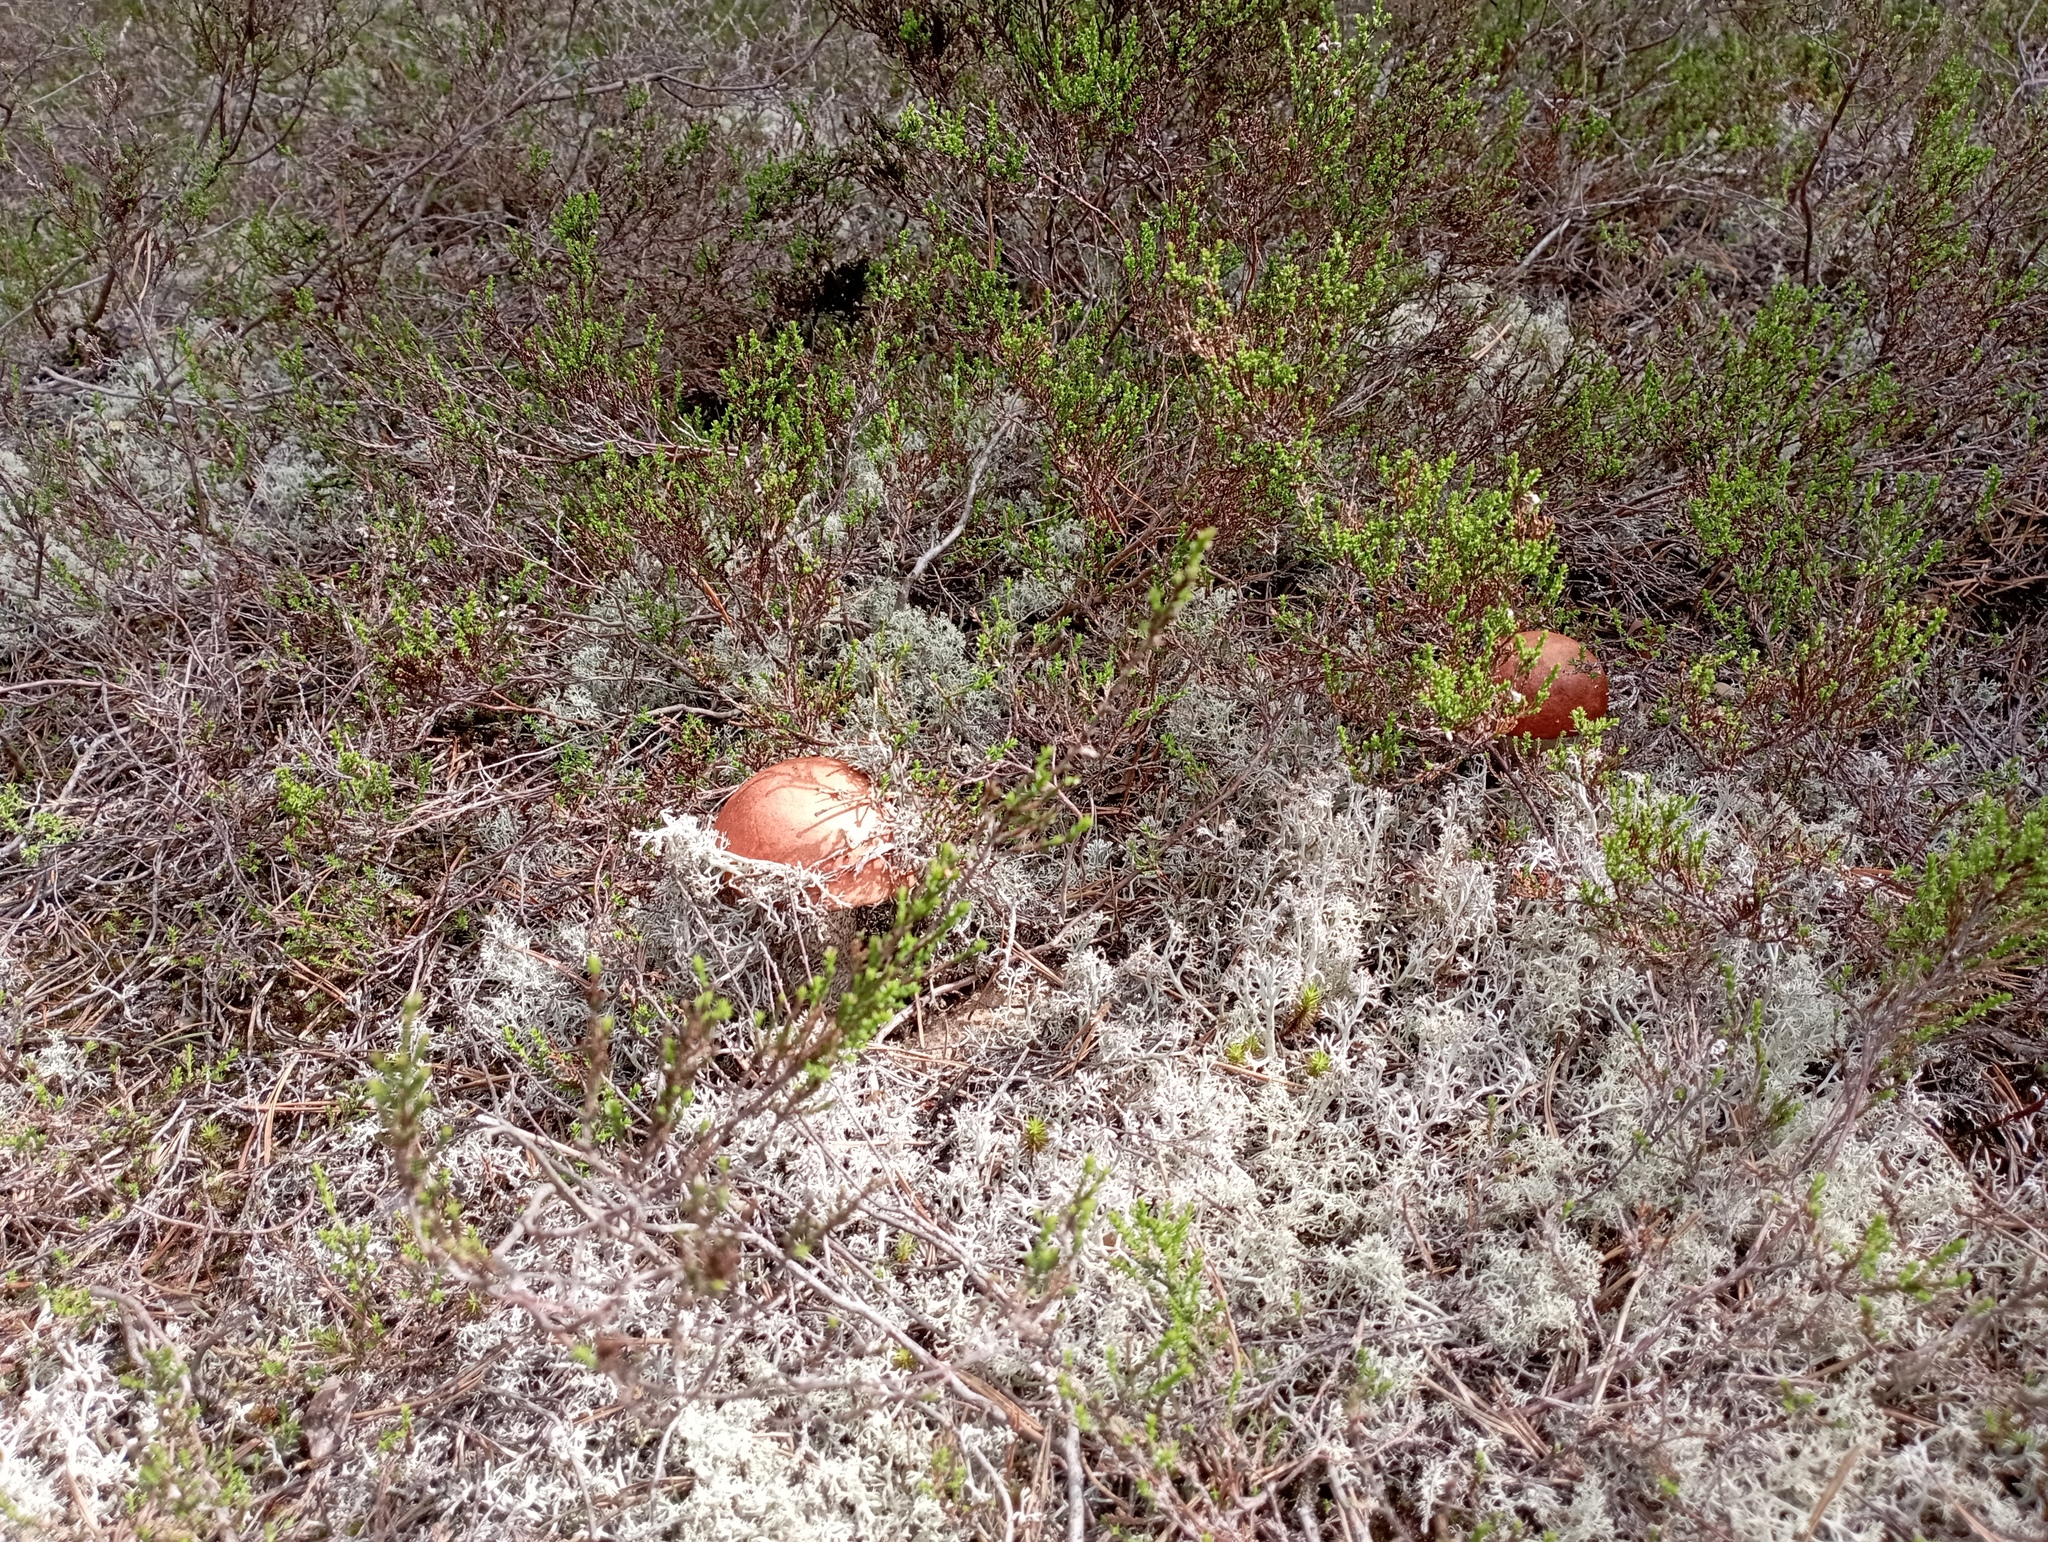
{"points": [[1570, 672], [816, 813]]}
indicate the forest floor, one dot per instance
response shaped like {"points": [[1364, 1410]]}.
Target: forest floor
{"points": [[447, 446]]}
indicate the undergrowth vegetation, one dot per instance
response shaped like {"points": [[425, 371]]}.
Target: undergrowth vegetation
{"points": [[446, 446]]}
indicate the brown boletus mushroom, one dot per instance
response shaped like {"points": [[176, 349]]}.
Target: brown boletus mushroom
{"points": [[819, 814], [1562, 676]]}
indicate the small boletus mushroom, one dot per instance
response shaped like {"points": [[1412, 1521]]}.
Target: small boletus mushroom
{"points": [[1562, 675], [819, 814]]}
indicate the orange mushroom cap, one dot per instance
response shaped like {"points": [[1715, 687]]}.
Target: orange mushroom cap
{"points": [[1564, 674], [817, 813]]}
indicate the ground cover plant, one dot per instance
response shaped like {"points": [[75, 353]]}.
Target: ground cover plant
{"points": [[446, 446]]}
